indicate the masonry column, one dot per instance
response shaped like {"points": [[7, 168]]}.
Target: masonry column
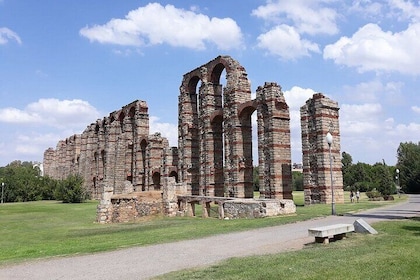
{"points": [[318, 117], [275, 163]]}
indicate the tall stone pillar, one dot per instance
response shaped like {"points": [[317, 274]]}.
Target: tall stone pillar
{"points": [[274, 150], [318, 117]]}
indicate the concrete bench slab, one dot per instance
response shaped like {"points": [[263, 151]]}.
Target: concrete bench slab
{"points": [[338, 231]]}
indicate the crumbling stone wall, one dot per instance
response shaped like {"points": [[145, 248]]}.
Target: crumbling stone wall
{"points": [[115, 155], [318, 117], [257, 208]]}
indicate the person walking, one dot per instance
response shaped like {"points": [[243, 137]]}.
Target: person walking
{"points": [[351, 196], [357, 196]]}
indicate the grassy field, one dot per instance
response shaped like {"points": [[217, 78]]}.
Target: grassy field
{"points": [[49, 228]]}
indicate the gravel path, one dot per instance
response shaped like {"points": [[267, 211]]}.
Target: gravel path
{"points": [[149, 261]]}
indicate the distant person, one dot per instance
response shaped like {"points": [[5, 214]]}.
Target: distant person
{"points": [[351, 196], [357, 195]]}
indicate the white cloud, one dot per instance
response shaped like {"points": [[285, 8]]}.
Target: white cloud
{"points": [[366, 8], [6, 34], [285, 42], [167, 130], [416, 109], [155, 24], [372, 49], [371, 91], [408, 8], [52, 112], [295, 98], [360, 119], [310, 17]]}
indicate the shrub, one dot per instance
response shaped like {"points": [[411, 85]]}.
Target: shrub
{"points": [[374, 195], [71, 190]]}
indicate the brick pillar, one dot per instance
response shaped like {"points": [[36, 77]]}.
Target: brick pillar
{"points": [[274, 150], [318, 117], [188, 135]]}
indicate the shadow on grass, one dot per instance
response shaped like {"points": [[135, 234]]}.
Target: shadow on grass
{"points": [[120, 227], [415, 229]]}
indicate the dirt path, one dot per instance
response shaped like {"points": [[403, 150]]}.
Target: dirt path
{"points": [[149, 261]]}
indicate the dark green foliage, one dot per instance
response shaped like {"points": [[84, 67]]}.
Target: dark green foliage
{"points": [[22, 182], [297, 179], [409, 165], [365, 177], [256, 178], [71, 190], [383, 179]]}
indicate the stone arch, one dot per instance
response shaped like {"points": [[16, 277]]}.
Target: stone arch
{"points": [[211, 135]]}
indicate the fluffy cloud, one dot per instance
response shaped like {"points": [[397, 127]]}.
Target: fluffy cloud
{"points": [[372, 49], [6, 34], [416, 109], [52, 112], [285, 42], [310, 17], [290, 20], [168, 130], [372, 91], [360, 119], [406, 9], [155, 24]]}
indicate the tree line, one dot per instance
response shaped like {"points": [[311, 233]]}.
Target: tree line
{"points": [[23, 182], [379, 178]]}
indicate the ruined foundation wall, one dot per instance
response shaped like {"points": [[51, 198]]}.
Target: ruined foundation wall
{"points": [[318, 117]]}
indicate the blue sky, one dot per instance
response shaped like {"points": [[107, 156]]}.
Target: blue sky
{"points": [[64, 64]]}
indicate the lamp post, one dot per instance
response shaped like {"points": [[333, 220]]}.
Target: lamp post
{"points": [[398, 182], [2, 192], [329, 139]]}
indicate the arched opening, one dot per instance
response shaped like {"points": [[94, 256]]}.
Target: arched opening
{"points": [[142, 168], [246, 161], [156, 181], [174, 174]]}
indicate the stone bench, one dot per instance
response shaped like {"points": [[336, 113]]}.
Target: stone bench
{"points": [[337, 231]]}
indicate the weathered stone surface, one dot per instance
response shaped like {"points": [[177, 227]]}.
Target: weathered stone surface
{"points": [[318, 117], [257, 208]]}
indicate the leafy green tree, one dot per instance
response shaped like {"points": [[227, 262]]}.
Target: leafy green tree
{"points": [[71, 190], [383, 179], [297, 180], [22, 182], [408, 155], [256, 178]]}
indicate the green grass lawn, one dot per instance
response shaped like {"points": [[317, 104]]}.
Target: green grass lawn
{"points": [[48, 228]]}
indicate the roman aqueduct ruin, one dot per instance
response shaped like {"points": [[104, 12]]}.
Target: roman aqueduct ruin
{"points": [[134, 174]]}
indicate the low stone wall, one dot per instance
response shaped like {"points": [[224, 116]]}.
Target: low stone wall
{"points": [[257, 208], [129, 207]]}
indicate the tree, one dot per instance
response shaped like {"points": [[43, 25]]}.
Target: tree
{"points": [[256, 178], [71, 190], [22, 182], [297, 180], [383, 179], [408, 163]]}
